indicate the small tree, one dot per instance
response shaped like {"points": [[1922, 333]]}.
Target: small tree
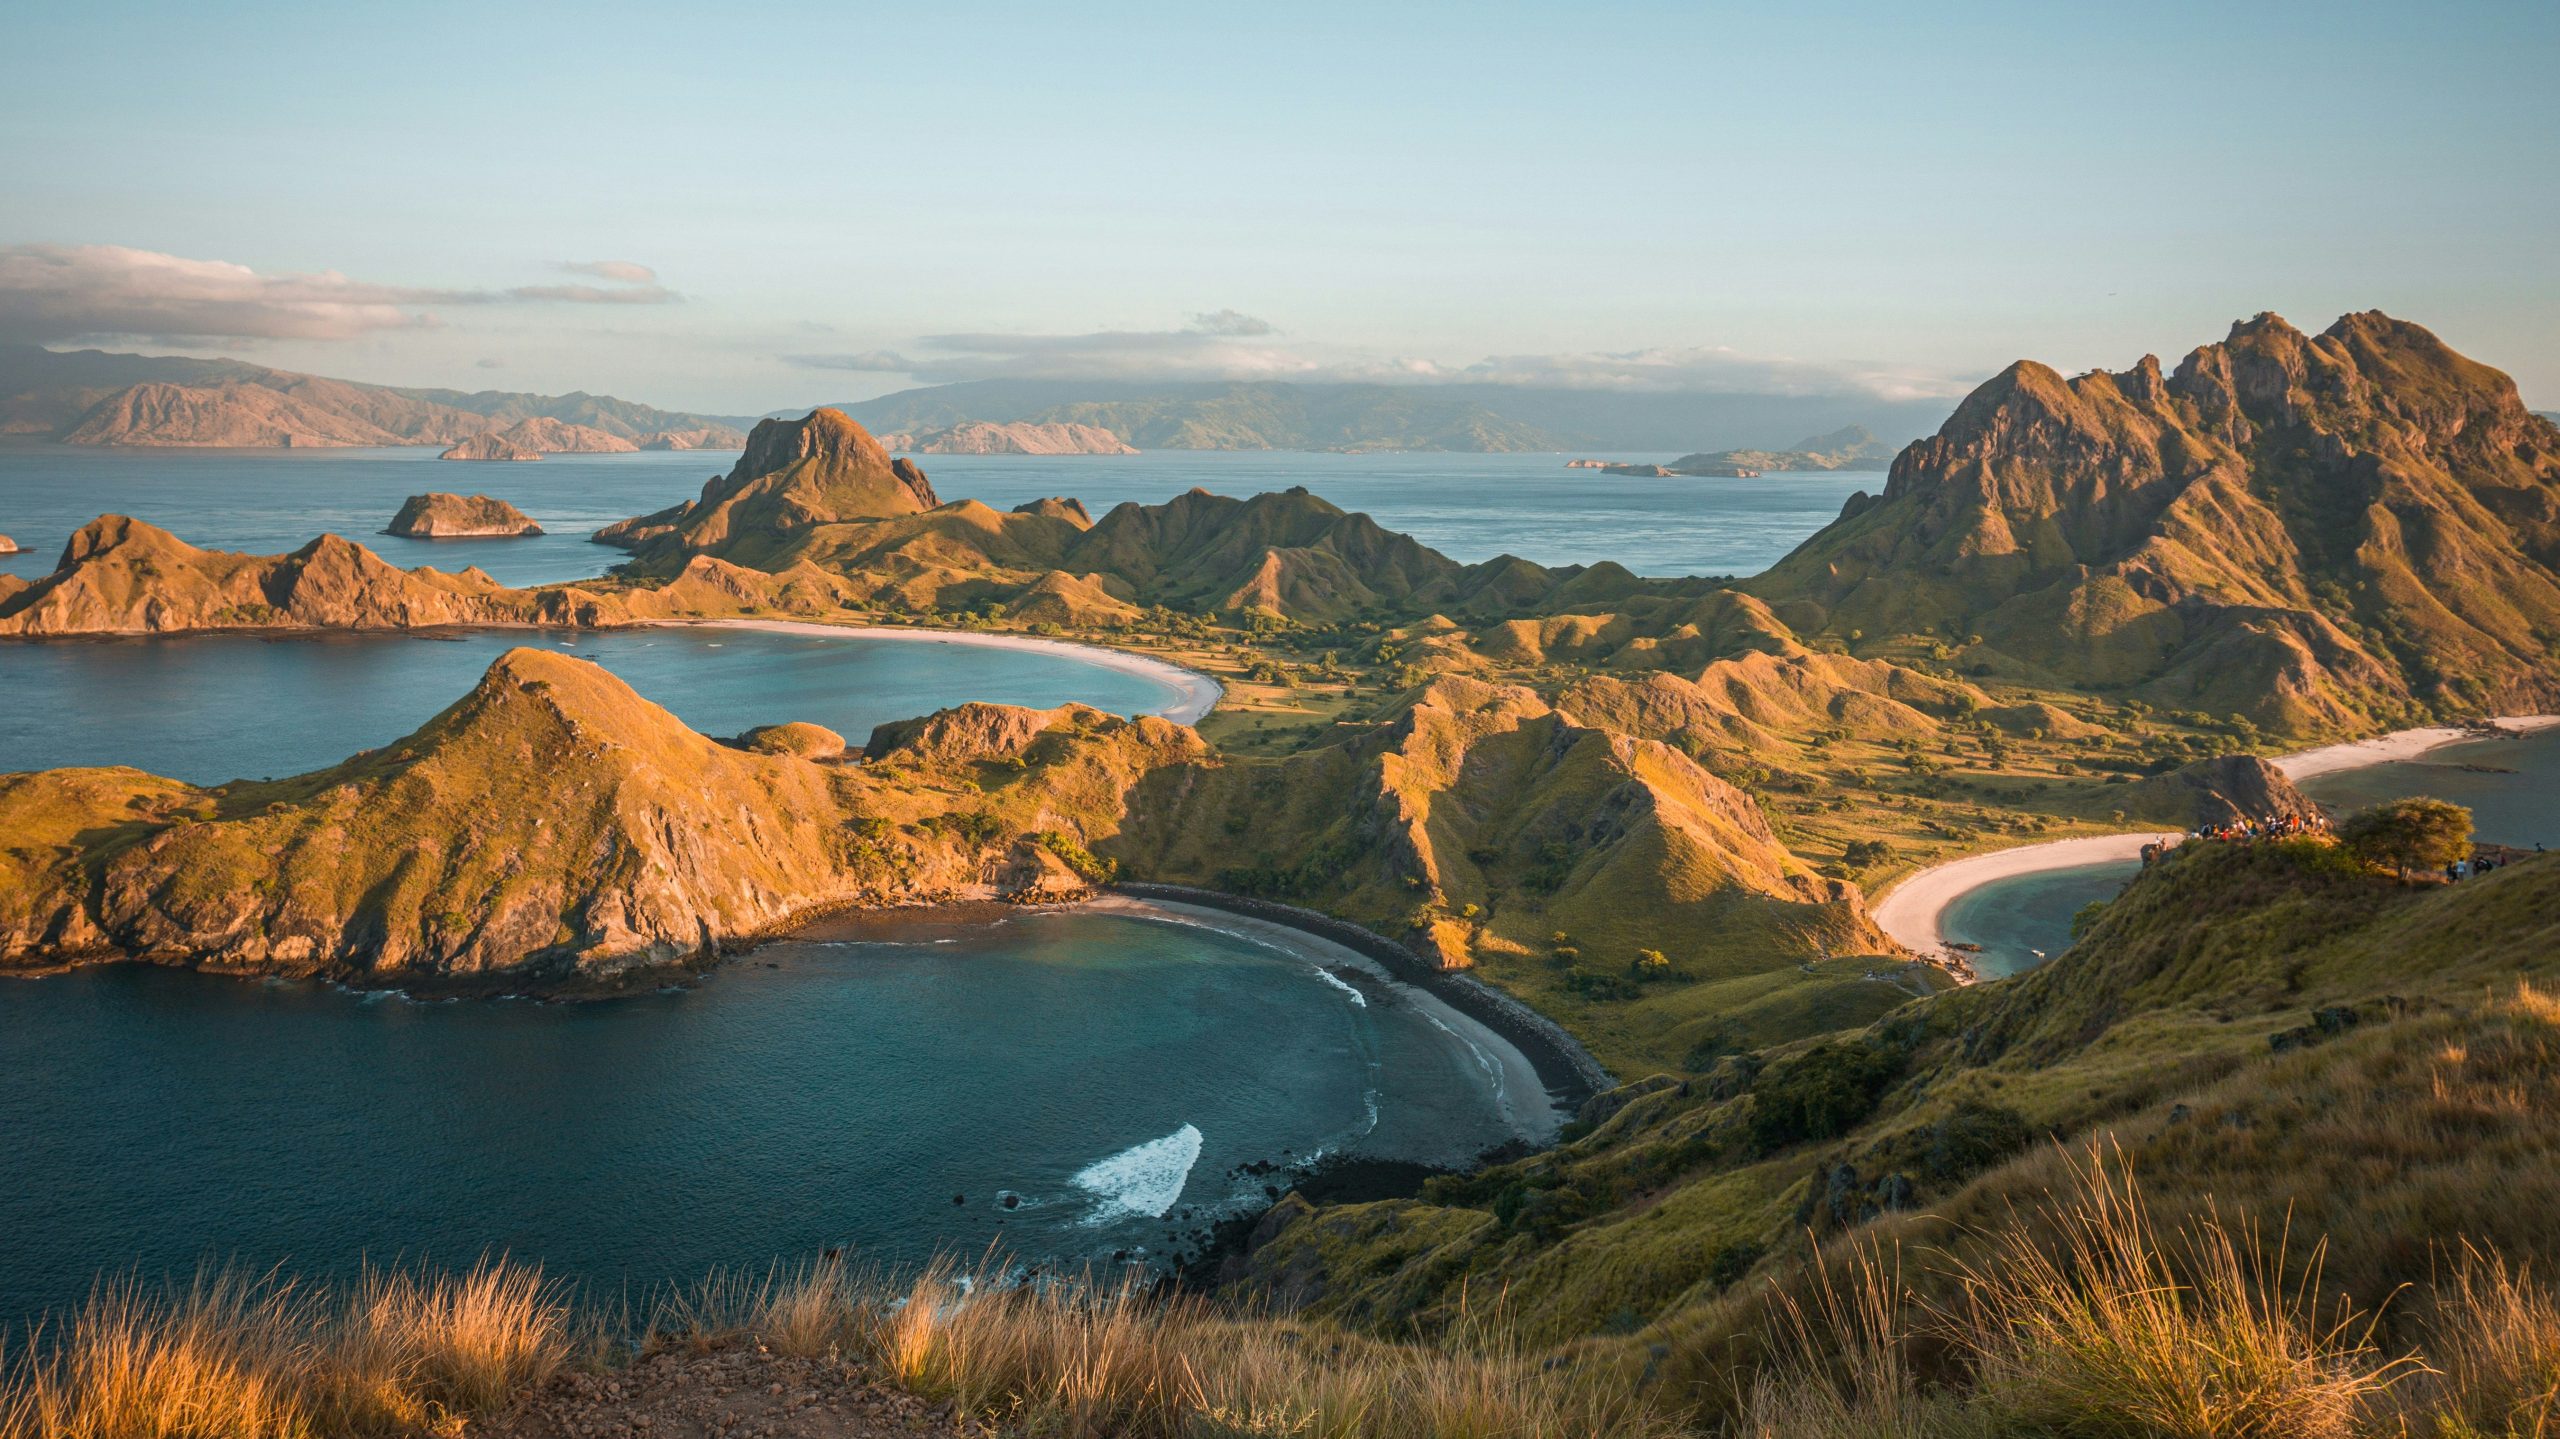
{"points": [[1867, 853], [2409, 834]]}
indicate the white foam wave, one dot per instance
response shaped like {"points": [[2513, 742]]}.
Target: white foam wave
{"points": [[1143, 1181], [1331, 978]]}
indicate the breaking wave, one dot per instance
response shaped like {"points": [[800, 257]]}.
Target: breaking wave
{"points": [[1143, 1181]]}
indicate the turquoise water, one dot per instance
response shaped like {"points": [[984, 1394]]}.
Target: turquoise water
{"points": [[2511, 787], [1471, 506], [1110, 1073], [210, 708], [2014, 918]]}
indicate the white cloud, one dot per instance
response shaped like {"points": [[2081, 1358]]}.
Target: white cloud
{"points": [[69, 292], [1225, 345], [621, 272]]}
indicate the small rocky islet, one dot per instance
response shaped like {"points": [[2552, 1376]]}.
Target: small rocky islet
{"points": [[441, 516]]}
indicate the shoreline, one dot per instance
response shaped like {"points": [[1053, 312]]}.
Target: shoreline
{"points": [[1569, 1072], [1913, 911], [1198, 693]]}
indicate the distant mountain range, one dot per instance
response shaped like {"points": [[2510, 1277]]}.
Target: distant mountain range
{"points": [[1283, 415], [93, 397]]}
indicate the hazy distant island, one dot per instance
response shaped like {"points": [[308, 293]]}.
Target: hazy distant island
{"points": [[444, 516], [1019, 437]]}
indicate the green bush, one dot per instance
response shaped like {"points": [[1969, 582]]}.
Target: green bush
{"points": [[1821, 1094]]}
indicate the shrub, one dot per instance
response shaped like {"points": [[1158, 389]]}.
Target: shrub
{"points": [[1822, 1093], [2409, 834]]}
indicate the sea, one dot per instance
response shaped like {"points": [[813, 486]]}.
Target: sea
{"points": [[1071, 1088]]}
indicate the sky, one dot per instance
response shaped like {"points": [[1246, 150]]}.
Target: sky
{"points": [[752, 207]]}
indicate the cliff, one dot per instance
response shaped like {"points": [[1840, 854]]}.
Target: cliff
{"points": [[443, 516], [2318, 532], [1021, 437], [548, 831]]}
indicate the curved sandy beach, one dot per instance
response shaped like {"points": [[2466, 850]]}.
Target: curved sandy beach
{"points": [[1198, 693], [1912, 912]]}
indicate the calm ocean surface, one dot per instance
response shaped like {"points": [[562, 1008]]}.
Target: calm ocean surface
{"points": [[210, 708], [1473, 507], [1109, 1073]]}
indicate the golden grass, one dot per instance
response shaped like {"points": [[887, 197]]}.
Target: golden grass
{"points": [[232, 1356]]}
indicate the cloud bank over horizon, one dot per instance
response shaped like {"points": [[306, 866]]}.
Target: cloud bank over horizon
{"points": [[56, 293], [1228, 346]]}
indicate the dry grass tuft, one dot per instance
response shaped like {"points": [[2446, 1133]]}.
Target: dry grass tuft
{"points": [[230, 1355]]}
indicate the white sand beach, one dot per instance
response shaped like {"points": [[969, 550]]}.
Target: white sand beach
{"points": [[2402, 744], [1912, 911], [1199, 693]]}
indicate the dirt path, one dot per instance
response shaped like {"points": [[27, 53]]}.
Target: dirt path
{"points": [[735, 1391]]}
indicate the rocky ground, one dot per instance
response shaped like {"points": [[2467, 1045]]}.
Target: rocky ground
{"points": [[737, 1391]]}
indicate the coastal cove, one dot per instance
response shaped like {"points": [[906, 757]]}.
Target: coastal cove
{"points": [[2017, 904], [897, 1083]]}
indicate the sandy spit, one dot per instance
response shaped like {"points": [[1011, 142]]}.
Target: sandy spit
{"points": [[1199, 693]]}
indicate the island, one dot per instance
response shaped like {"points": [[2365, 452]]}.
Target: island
{"points": [[533, 437], [440, 516], [1652, 811], [1019, 437], [8, 546]]}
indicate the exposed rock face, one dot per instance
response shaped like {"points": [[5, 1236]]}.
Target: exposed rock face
{"points": [[550, 830], [536, 436], [8, 546], [795, 476], [2232, 789], [491, 446], [2317, 532], [437, 515], [1021, 437]]}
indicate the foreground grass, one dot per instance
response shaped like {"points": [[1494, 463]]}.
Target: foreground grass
{"points": [[2084, 1321]]}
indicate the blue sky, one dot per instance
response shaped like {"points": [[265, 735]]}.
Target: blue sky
{"points": [[844, 199]]}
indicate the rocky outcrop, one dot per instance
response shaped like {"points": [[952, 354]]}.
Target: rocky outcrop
{"points": [[2230, 789], [440, 516], [795, 476], [2321, 533], [549, 831], [8, 546], [1021, 437]]}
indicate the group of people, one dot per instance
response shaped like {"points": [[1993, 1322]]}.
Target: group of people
{"points": [[2244, 831], [2283, 826]]}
